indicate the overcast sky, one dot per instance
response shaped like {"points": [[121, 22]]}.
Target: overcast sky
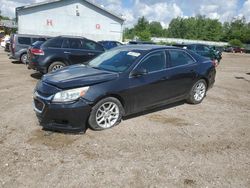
{"points": [[158, 10]]}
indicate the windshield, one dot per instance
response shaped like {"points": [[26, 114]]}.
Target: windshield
{"points": [[117, 60]]}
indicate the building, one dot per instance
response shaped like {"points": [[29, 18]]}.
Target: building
{"points": [[69, 17]]}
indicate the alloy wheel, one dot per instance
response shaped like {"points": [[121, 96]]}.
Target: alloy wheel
{"points": [[107, 115], [57, 67], [199, 91]]}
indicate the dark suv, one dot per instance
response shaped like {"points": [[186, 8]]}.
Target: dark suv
{"points": [[205, 51], [62, 51], [19, 44]]}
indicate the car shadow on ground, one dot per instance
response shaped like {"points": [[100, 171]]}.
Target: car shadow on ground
{"points": [[16, 62], [156, 109], [36, 75]]}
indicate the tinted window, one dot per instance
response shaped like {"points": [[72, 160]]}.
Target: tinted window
{"points": [[200, 48], [178, 57], [75, 43], [54, 43], [38, 39], [24, 40], [154, 62], [65, 43], [190, 47], [90, 45]]}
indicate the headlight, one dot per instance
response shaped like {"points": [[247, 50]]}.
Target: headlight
{"points": [[70, 95]]}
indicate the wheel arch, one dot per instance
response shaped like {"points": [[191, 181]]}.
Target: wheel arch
{"points": [[206, 80], [21, 54], [117, 96], [52, 60]]}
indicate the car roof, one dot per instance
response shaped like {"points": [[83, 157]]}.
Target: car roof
{"points": [[70, 36]]}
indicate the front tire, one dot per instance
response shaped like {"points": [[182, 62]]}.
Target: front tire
{"points": [[106, 113], [198, 92], [56, 66]]}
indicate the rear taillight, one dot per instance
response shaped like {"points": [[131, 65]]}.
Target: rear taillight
{"points": [[36, 51], [215, 62]]}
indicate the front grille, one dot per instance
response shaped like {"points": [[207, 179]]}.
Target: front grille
{"points": [[39, 106]]}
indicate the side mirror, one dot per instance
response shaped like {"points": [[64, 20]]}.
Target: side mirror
{"points": [[138, 72]]}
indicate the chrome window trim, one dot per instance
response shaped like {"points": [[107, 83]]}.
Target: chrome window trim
{"points": [[166, 68]]}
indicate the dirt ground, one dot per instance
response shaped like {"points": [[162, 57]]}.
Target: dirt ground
{"points": [[205, 145]]}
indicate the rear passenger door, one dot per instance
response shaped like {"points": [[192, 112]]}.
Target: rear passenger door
{"points": [[181, 73], [73, 50]]}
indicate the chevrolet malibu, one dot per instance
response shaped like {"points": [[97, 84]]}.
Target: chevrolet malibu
{"points": [[119, 82]]}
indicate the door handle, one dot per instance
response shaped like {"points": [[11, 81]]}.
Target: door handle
{"points": [[67, 52], [91, 53]]}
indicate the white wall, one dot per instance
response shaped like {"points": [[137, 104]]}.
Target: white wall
{"points": [[60, 19]]}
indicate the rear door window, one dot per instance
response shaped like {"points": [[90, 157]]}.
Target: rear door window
{"points": [[179, 58], [24, 40], [200, 48], [75, 43]]}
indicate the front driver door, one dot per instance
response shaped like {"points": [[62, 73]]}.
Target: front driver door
{"points": [[146, 89]]}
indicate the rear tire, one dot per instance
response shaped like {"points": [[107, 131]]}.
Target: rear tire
{"points": [[56, 66], [106, 113], [198, 92], [24, 58]]}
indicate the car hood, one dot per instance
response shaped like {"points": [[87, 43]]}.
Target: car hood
{"points": [[78, 76]]}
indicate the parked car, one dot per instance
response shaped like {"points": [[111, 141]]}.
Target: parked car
{"points": [[4, 40], [205, 50], [61, 51], [239, 50], [19, 44], [7, 46], [109, 44], [141, 42], [119, 82]]}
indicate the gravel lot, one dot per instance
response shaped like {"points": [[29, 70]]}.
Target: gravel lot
{"points": [[205, 145]]}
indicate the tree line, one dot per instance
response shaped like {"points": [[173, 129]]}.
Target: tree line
{"points": [[196, 28]]}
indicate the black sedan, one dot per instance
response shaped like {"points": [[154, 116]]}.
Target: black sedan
{"points": [[119, 82]]}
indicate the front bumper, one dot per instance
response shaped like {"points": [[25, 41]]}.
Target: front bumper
{"points": [[70, 117]]}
